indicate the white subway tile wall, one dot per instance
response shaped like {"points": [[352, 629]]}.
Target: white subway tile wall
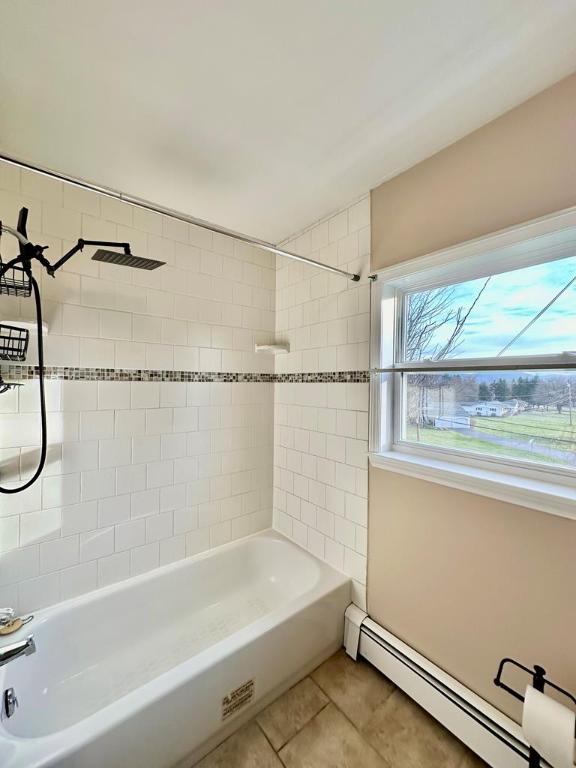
{"points": [[321, 430], [149, 482], [138, 474]]}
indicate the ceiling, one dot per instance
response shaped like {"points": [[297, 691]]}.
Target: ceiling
{"points": [[264, 115]]}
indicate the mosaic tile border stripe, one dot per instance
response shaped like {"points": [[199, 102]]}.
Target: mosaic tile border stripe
{"points": [[28, 372], [326, 377]]}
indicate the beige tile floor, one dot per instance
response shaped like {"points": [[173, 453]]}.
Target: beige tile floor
{"points": [[344, 715]]}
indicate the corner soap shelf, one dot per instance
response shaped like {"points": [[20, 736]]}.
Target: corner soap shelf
{"points": [[272, 349]]}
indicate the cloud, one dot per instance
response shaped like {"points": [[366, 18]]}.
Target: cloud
{"points": [[508, 303]]}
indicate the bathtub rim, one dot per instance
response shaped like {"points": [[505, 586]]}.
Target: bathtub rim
{"points": [[63, 606]]}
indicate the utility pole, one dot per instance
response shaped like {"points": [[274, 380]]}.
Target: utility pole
{"points": [[569, 386]]}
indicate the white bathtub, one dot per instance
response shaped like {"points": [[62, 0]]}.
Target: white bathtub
{"points": [[140, 673]]}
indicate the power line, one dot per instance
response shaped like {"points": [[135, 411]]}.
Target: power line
{"points": [[526, 424], [536, 317], [527, 434], [512, 433]]}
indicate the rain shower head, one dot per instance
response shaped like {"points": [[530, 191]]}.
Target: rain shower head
{"points": [[126, 259]]}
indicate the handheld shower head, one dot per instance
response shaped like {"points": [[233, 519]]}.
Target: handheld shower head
{"points": [[16, 279], [126, 259]]}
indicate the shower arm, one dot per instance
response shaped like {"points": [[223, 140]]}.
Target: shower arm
{"points": [[29, 251]]}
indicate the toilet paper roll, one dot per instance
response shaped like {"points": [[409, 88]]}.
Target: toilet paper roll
{"points": [[549, 727]]}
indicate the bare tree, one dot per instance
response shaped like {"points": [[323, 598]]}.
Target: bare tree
{"points": [[552, 392], [427, 313]]}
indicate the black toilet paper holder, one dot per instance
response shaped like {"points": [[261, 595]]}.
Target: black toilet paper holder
{"points": [[539, 680]]}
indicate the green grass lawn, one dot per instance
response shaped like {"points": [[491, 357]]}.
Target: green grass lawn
{"points": [[545, 427], [445, 438]]}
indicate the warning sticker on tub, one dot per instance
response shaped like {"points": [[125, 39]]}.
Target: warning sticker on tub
{"points": [[237, 699]]}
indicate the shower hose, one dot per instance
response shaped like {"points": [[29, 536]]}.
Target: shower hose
{"points": [[42, 461]]}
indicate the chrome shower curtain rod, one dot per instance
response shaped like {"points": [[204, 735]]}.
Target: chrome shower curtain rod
{"points": [[263, 244]]}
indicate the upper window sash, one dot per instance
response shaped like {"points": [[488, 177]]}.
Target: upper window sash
{"points": [[547, 239]]}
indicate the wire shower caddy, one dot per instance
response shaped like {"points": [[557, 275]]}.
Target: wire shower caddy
{"points": [[14, 281], [13, 343]]}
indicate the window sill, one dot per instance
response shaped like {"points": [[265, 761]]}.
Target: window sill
{"points": [[554, 498]]}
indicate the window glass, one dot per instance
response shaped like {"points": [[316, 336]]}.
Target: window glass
{"points": [[528, 311], [528, 415]]}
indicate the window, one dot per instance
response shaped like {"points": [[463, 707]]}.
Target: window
{"points": [[474, 354]]}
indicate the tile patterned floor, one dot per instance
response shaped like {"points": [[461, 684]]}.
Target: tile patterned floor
{"points": [[344, 715]]}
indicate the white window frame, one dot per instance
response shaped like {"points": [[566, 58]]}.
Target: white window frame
{"points": [[549, 489]]}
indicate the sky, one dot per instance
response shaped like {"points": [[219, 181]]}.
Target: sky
{"points": [[509, 302]]}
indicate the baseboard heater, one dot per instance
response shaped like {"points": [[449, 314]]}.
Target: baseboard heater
{"points": [[489, 733]]}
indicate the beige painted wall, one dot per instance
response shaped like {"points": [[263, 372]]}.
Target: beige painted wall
{"points": [[467, 580], [463, 578], [516, 168]]}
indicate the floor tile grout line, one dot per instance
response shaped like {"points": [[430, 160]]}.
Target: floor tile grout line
{"points": [[255, 720], [395, 690], [262, 731], [291, 739], [231, 735], [360, 734], [358, 731], [329, 700], [363, 739], [314, 716]]}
